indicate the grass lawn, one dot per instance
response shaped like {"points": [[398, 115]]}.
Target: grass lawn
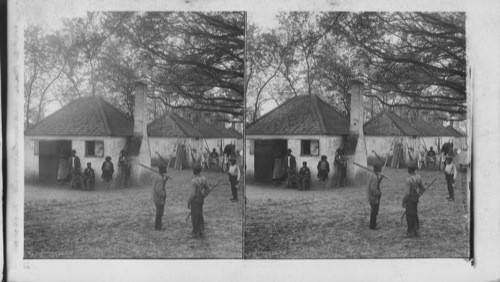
{"points": [[60, 223], [333, 223]]}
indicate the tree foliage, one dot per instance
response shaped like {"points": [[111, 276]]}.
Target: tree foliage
{"points": [[189, 60]]}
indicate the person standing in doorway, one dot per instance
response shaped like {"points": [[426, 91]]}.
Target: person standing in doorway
{"points": [[450, 174], [62, 169], [74, 167], [199, 189], [234, 178], [289, 165], [277, 169]]}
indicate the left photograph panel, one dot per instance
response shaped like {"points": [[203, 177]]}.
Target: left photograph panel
{"points": [[133, 144]]}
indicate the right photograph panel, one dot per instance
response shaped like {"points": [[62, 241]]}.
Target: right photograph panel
{"points": [[357, 136]]}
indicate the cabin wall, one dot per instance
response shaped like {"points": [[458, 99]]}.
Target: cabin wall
{"points": [[112, 148], [327, 146]]}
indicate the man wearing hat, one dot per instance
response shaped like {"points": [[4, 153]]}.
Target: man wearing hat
{"points": [[289, 166], [159, 194], [323, 170], [107, 171], [374, 195], [414, 188], [234, 177], [199, 188], [341, 163], [304, 177], [124, 163], [450, 174], [74, 167]]}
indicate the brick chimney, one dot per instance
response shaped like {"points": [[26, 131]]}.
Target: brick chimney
{"points": [[138, 145], [356, 147]]}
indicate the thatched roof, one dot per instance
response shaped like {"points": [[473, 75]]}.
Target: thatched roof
{"points": [[172, 125], [86, 116], [388, 123], [430, 130], [453, 131], [215, 131], [301, 115]]}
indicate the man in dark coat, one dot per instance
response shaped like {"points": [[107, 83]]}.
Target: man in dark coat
{"points": [[159, 194], [74, 167], [374, 195], [107, 171], [289, 167], [341, 164], [323, 170], [124, 163], [304, 177], [414, 188], [199, 189]]}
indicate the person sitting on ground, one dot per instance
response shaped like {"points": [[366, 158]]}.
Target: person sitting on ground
{"points": [[304, 177], [214, 158], [323, 170], [431, 156], [107, 171], [88, 178]]}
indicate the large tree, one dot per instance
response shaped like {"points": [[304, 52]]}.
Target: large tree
{"points": [[419, 57], [195, 60]]}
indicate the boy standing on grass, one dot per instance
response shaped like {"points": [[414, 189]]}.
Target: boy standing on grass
{"points": [[107, 171], [323, 170], [374, 195], [159, 194], [450, 174], [199, 189], [414, 188], [234, 177], [304, 177], [88, 178]]}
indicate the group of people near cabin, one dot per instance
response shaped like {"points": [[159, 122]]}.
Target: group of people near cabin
{"points": [[85, 181], [414, 188], [286, 167], [199, 190]]}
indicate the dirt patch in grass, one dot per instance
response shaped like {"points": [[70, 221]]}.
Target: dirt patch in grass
{"points": [[61, 223], [333, 223]]}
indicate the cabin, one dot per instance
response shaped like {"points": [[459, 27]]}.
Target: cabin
{"points": [[89, 125], [175, 140], [306, 124], [387, 134], [94, 129]]}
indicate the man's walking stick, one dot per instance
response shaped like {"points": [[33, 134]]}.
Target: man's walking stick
{"points": [[428, 186], [211, 190], [154, 170], [383, 176]]}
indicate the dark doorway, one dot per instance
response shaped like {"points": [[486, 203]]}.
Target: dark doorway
{"points": [[265, 152], [49, 153]]}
